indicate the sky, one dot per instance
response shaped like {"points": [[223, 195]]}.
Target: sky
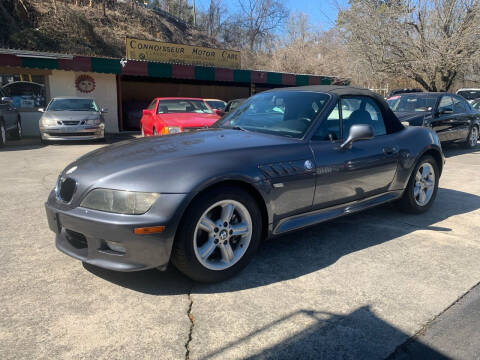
{"points": [[322, 12]]}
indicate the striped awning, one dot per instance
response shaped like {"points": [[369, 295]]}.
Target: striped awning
{"points": [[160, 70]]}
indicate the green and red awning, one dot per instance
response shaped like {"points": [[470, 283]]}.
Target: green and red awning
{"points": [[167, 71]]}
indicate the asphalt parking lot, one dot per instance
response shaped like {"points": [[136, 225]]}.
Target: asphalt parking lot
{"points": [[355, 288]]}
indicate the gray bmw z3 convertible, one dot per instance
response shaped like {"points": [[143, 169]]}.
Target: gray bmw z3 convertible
{"points": [[283, 160]]}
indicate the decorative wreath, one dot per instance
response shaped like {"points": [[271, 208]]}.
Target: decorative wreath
{"points": [[85, 84]]}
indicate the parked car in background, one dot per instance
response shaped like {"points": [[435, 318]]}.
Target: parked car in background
{"points": [[10, 122], [403, 91], [217, 105], [204, 200], [469, 94], [232, 105], [174, 115], [72, 118], [476, 104], [450, 115]]}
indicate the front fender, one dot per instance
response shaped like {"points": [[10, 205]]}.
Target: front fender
{"points": [[258, 185]]}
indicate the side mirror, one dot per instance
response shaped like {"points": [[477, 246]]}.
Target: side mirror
{"points": [[41, 109], [103, 110], [7, 99], [218, 112], [357, 132]]}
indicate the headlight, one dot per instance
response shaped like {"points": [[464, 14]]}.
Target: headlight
{"points": [[118, 201], [93, 121], [171, 130], [405, 123], [48, 121]]}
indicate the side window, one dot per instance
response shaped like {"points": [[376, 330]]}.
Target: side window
{"points": [[459, 106], [329, 130], [446, 103], [362, 110]]}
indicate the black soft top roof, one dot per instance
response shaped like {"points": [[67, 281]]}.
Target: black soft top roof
{"points": [[392, 123], [424, 94]]}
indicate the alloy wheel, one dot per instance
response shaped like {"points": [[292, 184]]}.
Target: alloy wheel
{"points": [[3, 134], [473, 136], [19, 129], [424, 184], [222, 235]]}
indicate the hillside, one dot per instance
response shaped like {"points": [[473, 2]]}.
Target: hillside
{"points": [[81, 30]]}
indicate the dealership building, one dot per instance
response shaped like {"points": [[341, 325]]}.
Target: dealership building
{"points": [[125, 87]]}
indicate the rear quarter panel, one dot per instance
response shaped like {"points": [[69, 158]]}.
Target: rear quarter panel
{"points": [[413, 142]]}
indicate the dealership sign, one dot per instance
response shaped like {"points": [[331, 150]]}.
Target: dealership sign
{"points": [[181, 54]]}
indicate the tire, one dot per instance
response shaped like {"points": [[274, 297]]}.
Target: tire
{"points": [[411, 200], [3, 134], [225, 253], [472, 138], [17, 133]]}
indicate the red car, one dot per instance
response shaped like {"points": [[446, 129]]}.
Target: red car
{"points": [[173, 115]]}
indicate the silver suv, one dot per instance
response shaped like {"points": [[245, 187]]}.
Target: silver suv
{"points": [[10, 123], [72, 118]]}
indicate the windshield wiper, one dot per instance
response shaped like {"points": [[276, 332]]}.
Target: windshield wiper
{"points": [[236, 127]]}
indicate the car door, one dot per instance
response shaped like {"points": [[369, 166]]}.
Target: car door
{"points": [[148, 116], [364, 170], [443, 120], [462, 119]]}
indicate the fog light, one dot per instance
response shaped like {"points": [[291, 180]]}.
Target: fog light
{"points": [[115, 247]]}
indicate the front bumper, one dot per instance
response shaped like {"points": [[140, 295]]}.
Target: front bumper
{"points": [[81, 132], [83, 234]]}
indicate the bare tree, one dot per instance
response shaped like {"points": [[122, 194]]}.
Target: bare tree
{"points": [[429, 41], [260, 19], [306, 49], [212, 20]]}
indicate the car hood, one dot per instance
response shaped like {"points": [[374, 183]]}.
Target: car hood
{"points": [[70, 115], [168, 160], [188, 119], [414, 118]]}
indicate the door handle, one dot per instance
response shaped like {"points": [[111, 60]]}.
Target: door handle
{"points": [[391, 150]]}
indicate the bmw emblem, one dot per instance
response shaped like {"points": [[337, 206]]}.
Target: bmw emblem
{"points": [[308, 165]]}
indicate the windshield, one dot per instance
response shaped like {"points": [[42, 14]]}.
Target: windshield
{"points": [[412, 103], [72, 105], [469, 94], [220, 105], [284, 113], [183, 106]]}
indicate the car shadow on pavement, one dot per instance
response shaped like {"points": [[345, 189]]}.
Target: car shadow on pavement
{"points": [[309, 250], [32, 143], [357, 335], [305, 251], [152, 282], [451, 150]]}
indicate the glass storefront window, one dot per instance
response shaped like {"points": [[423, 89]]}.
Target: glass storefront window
{"points": [[26, 90]]}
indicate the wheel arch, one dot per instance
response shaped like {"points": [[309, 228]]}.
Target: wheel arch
{"points": [[244, 185], [437, 155]]}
